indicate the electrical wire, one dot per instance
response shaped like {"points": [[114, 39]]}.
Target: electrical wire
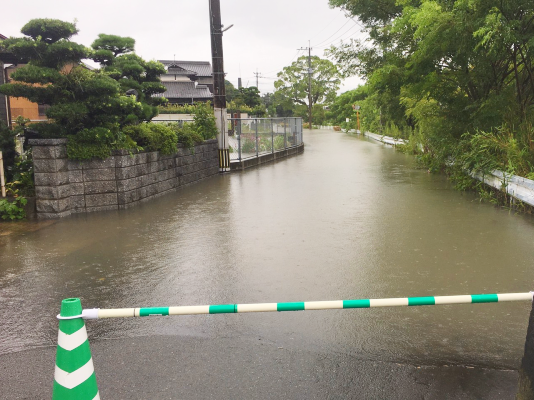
{"points": [[335, 33], [340, 37], [325, 28]]}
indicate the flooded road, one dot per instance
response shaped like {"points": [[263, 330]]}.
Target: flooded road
{"points": [[348, 219]]}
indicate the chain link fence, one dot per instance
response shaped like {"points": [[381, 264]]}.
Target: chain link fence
{"points": [[253, 137]]}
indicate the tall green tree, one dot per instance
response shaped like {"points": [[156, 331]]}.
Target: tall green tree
{"points": [[282, 106], [250, 96], [292, 81], [342, 108], [447, 68], [244, 98], [231, 92]]}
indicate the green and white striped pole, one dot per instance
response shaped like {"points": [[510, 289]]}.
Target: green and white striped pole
{"points": [[74, 378], [308, 305]]}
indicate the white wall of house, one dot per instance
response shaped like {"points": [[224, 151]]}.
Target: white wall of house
{"points": [[174, 78]]}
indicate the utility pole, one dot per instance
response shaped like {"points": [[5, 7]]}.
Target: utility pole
{"points": [[310, 71], [258, 75], [219, 92]]}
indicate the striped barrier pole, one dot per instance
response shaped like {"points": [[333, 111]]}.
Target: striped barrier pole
{"points": [[308, 305], [74, 378]]}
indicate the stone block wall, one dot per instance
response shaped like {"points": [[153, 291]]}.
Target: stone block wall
{"points": [[64, 187]]}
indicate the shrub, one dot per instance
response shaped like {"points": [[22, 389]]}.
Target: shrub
{"points": [[11, 210], [248, 145], [265, 144], [153, 137], [177, 109], [205, 121], [278, 142], [138, 133], [7, 147], [499, 149], [187, 134], [162, 138], [22, 178], [97, 143]]}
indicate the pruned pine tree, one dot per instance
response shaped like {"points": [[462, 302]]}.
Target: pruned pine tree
{"points": [[90, 107]]}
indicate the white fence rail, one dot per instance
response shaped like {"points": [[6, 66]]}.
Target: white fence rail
{"points": [[516, 186]]}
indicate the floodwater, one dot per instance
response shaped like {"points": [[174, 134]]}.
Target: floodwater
{"points": [[348, 219]]}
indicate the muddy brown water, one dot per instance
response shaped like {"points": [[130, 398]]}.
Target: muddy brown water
{"points": [[348, 219]]}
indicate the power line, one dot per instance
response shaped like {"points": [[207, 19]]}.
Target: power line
{"points": [[340, 37], [335, 33], [326, 27], [350, 18]]}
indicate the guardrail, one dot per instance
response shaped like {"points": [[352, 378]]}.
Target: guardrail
{"points": [[516, 186]]}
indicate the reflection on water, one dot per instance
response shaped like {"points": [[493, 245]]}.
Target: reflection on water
{"points": [[347, 219]]}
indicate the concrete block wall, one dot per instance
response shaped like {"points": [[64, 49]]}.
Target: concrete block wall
{"points": [[64, 187]]}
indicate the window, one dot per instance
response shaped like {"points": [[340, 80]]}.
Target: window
{"points": [[42, 109]]}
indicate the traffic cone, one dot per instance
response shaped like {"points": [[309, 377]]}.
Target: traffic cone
{"points": [[74, 378]]}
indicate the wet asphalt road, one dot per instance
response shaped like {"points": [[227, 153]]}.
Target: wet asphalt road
{"points": [[171, 367]]}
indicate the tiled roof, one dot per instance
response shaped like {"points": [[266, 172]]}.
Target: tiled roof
{"points": [[2, 36], [201, 68], [184, 90], [174, 69]]}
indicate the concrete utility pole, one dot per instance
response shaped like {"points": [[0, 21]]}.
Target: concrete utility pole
{"points": [[219, 92], [310, 71], [258, 75]]}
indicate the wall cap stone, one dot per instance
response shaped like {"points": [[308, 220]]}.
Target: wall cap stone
{"points": [[47, 142]]}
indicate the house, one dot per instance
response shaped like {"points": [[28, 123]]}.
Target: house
{"points": [[187, 81]]}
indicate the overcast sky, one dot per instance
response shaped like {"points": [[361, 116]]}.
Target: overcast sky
{"points": [[265, 35]]}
